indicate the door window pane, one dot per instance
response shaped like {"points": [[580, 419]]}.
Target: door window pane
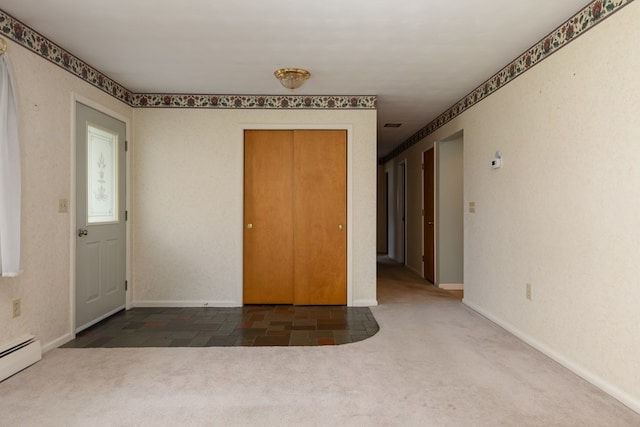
{"points": [[102, 176]]}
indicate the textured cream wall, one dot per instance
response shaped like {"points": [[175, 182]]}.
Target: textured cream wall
{"points": [[188, 186], [44, 92], [563, 211]]}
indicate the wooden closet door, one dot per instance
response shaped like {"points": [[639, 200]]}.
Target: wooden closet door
{"points": [[268, 217], [320, 214]]}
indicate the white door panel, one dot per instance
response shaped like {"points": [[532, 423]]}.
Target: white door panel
{"points": [[100, 216]]}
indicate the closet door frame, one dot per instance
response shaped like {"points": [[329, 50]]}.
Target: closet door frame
{"points": [[350, 173]]}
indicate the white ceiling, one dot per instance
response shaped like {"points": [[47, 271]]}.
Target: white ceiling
{"points": [[418, 56]]}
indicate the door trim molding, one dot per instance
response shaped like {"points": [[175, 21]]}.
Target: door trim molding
{"points": [[77, 98], [350, 172]]}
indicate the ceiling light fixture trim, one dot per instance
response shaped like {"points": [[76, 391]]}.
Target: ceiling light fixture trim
{"points": [[292, 78]]}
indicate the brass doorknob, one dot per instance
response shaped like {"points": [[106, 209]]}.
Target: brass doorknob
{"points": [[340, 226], [249, 225]]}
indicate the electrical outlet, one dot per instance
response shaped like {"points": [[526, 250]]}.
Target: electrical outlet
{"points": [[472, 207], [16, 308], [528, 291]]}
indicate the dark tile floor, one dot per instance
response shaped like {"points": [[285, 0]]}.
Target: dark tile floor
{"points": [[243, 326]]}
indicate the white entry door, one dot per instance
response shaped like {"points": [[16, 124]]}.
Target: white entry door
{"points": [[100, 216]]}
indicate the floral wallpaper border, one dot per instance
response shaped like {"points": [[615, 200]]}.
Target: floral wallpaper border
{"points": [[36, 42], [29, 38], [587, 18], [253, 101], [591, 15]]}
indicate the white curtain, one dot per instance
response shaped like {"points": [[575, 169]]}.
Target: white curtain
{"points": [[9, 174]]}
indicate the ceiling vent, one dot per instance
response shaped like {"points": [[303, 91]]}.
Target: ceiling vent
{"points": [[392, 125]]}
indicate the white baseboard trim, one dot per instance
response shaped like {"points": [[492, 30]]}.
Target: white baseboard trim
{"points": [[221, 304], [364, 303], [57, 343], [451, 286], [597, 381]]}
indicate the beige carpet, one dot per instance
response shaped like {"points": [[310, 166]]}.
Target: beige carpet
{"points": [[433, 363]]}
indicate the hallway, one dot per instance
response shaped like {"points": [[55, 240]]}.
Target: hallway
{"points": [[396, 284]]}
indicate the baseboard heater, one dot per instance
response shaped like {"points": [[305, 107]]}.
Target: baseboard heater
{"points": [[19, 354]]}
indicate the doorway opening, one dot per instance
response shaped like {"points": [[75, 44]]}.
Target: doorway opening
{"points": [[428, 215], [402, 213], [386, 210], [450, 213]]}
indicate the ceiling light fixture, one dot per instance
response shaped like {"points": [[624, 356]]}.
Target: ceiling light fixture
{"points": [[292, 78]]}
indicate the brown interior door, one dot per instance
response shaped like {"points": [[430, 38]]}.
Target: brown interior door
{"points": [[320, 214], [429, 216], [268, 217]]}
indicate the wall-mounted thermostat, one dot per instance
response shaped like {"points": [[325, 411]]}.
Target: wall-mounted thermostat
{"points": [[497, 161]]}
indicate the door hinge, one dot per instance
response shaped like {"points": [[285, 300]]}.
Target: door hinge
{"points": [[126, 215], [422, 258], [126, 145], [126, 285], [423, 166]]}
